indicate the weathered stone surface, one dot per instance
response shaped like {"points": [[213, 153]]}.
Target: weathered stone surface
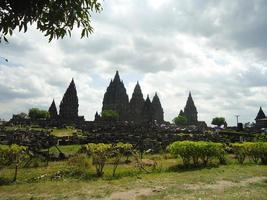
{"points": [[190, 111], [68, 112], [157, 109], [116, 98], [136, 110], [260, 114], [261, 120], [147, 111], [53, 111], [136, 105]]}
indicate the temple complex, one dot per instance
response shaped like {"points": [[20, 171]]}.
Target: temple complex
{"points": [[190, 111], [53, 111], [136, 110], [116, 98], [147, 111], [136, 105], [157, 109], [261, 119], [68, 109]]}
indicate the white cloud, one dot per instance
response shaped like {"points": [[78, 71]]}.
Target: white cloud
{"points": [[216, 49]]}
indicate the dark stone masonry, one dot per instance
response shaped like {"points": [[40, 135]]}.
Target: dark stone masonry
{"points": [[190, 111], [136, 110]]}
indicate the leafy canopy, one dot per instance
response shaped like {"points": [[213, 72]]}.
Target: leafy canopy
{"points": [[36, 113], [109, 115], [218, 121], [180, 120], [55, 18]]}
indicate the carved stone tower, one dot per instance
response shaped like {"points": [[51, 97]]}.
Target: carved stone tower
{"points": [[136, 105], [260, 115], [116, 98], [157, 109], [53, 111], [190, 111], [68, 111], [147, 111]]}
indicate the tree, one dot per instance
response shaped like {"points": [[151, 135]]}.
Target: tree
{"points": [[180, 120], [218, 121], [21, 115], [13, 154], [110, 115], [56, 18], [118, 151], [36, 113], [100, 153]]}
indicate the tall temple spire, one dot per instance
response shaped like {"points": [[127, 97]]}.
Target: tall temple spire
{"points": [[190, 111], [116, 98], [53, 110], [260, 114], [117, 77], [157, 109], [147, 111], [136, 104], [68, 111]]}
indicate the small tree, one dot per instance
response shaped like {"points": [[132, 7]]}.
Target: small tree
{"points": [[218, 121], [180, 120], [110, 115], [100, 153], [14, 154], [36, 113], [118, 151]]}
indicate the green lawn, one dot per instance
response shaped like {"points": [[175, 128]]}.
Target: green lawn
{"points": [[232, 181], [63, 132], [66, 149]]}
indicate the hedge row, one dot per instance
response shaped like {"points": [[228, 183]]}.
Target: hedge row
{"points": [[256, 151], [197, 152]]}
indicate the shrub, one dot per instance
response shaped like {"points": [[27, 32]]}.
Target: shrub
{"points": [[180, 120], [36, 113], [240, 152], [110, 115], [197, 151], [118, 151], [13, 154], [255, 151], [100, 153]]}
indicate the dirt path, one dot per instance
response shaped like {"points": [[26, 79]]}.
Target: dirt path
{"points": [[134, 193], [219, 185]]}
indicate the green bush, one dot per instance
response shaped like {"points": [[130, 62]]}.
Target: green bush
{"points": [[118, 151], [255, 151], [197, 151], [240, 152], [100, 153], [14, 154]]}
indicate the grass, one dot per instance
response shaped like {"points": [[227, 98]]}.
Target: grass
{"points": [[63, 132], [170, 181], [66, 149]]}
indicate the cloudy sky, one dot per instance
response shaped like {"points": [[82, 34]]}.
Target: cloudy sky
{"points": [[215, 49]]}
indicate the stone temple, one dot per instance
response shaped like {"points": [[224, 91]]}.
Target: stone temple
{"points": [[136, 110], [261, 119], [53, 111], [190, 111], [116, 98], [68, 108]]}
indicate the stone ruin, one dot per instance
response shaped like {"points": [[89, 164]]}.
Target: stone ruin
{"points": [[136, 110]]}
